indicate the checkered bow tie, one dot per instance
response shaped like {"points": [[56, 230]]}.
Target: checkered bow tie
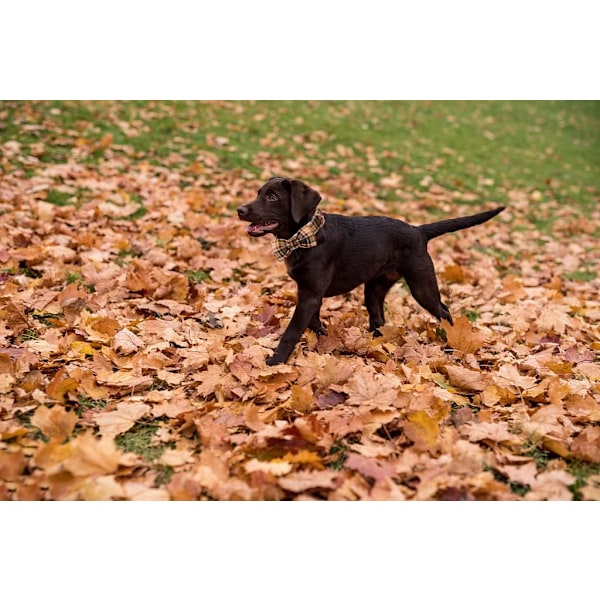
{"points": [[305, 237]]}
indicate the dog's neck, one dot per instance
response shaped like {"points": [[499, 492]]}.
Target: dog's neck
{"points": [[305, 237]]}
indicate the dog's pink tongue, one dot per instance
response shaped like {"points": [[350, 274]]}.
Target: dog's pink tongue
{"points": [[255, 228]]}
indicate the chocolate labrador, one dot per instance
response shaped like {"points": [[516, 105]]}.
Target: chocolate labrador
{"points": [[328, 254]]}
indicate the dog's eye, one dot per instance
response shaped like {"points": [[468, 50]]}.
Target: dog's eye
{"points": [[272, 198]]}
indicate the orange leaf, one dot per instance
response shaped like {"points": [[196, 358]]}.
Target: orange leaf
{"points": [[422, 429], [91, 456], [463, 336], [54, 422], [454, 274], [61, 385]]}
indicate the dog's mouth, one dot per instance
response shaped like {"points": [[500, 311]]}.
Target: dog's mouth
{"points": [[258, 229]]}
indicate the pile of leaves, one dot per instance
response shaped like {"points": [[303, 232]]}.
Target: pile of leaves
{"points": [[136, 316]]}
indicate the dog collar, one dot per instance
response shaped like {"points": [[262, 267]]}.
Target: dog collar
{"points": [[305, 237]]}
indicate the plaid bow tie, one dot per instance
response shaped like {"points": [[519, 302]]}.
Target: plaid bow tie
{"points": [[305, 237]]}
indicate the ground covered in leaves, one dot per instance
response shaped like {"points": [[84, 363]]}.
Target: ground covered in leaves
{"points": [[136, 316]]}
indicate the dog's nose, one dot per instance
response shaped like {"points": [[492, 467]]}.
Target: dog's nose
{"points": [[243, 211]]}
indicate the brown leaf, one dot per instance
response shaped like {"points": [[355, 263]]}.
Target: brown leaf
{"points": [[586, 445], [61, 385], [121, 419], [91, 456], [369, 467], [329, 399], [12, 465], [126, 379], [591, 490], [303, 481], [453, 274], [422, 429], [466, 379], [463, 336], [55, 422], [508, 375], [127, 342], [494, 432], [102, 488], [551, 485]]}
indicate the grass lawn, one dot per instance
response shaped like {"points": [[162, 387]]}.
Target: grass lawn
{"points": [[552, 147]]}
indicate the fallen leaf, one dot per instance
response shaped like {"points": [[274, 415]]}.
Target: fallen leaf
{"points": [[127, 342], [586, 445], [369, 467], [463, 336], [303, 481], [55, 422], [123, 418], [422, 429], [91, 456], [551, 485]]}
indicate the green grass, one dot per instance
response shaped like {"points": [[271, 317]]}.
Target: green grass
{"points": [[198, 276], [139, 441], [584, 275], [87, 403], [581, 470], [59, 198], [29, 334], [486, 147]]}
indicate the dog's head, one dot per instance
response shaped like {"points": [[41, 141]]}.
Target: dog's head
{"points": [[281, 207]]}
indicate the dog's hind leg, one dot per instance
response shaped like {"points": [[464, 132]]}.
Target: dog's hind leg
{"points": [[424, 288], [375, 292], [315, 323]]}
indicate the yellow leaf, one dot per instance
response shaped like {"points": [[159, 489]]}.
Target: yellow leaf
{"points": [[422, 429], [82, 349], [101, 488], [61, 385], [304, 457]]}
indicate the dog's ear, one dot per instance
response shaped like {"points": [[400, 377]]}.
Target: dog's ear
{"points": [[304, 199]]}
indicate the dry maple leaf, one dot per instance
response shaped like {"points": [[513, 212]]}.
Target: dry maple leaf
{"points": [[127, 342], [274, 467], [494, 432], [551, 485], [55, 423], [466, 379], [121, 419], [508, 375], [587, 444], [102, 488], [463, 336], [125, 379], [60, 385], [554, 318], [422, 429], [91, 456], [369, 467], [310, 480]]}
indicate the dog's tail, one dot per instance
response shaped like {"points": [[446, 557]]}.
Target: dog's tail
{"points": [[432, 230]]}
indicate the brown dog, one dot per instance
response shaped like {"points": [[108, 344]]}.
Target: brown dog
{"points": [[329, 254]]}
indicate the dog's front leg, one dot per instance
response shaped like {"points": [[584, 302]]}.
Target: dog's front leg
{"points": [[307, 306]]}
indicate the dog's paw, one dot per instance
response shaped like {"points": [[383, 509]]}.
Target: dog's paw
{"points": [[272, 361], [377, 333]]}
